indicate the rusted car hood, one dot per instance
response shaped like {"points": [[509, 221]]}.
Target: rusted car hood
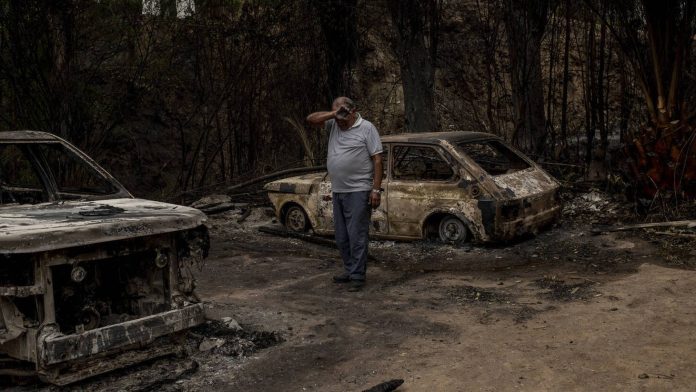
{"points": [[48, 226], [299, 184]]}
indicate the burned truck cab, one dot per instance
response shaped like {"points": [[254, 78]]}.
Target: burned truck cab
{"points": [[91, 279]]}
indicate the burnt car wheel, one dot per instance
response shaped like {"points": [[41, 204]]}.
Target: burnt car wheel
{"points": [[453, 231], [296, 219]]}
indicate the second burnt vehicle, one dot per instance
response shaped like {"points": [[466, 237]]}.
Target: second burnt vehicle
{"points": [[91, 279], [454, 186]]}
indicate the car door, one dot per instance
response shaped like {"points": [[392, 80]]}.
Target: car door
{"points": [[325, 207], [421, 179]]}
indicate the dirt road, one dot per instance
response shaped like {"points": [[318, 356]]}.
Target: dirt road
{"points": [[564, 311]]}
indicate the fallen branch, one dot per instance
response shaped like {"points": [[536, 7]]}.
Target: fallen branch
{"points": [[218, 208], [275, 175], [303, 236], [224, 207], [388, 386], [684, 223], [671, 234], [244, 215], [560, 164]]}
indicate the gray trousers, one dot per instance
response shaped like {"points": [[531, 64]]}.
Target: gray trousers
{"points": [[352, 224]]}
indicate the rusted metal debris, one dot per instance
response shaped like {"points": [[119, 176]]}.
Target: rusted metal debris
{"points": [[91, 279], [456, 186]]}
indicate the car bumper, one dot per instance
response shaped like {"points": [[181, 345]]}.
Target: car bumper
{"points": [[56, 349], [528, 224]]}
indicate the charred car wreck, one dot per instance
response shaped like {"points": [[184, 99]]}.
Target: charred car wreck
{"points": [[455, 186], [91, 279]]}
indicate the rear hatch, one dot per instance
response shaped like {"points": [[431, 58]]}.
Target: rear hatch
{"points": [[526, 192], [524, 188]]}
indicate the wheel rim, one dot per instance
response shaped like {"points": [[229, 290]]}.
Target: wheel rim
{"points": [[296, 220], [452, 230]]}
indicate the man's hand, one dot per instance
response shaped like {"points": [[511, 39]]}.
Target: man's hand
{"points": [[341, 113], [375, 199]]}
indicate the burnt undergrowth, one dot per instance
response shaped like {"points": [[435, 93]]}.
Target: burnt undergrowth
{"points": [[559, 290], [230, 341], [471, 294]]}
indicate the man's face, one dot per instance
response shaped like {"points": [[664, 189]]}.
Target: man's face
{"points": [[347, 121]]}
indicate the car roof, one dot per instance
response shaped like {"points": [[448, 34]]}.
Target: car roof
{"points": [[33, 136], [437, 137]]}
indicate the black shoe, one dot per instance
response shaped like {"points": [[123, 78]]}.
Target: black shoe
{"points": [[356, 285], [343, 278]]}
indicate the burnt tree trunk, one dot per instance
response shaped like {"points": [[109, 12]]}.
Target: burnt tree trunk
{"points": [[566, 78], [416, 24], [550, 97], [595, 155], [525, 22], [338, 20]]}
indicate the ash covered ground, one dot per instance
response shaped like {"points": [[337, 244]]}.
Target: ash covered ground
{"points": [[569, 309]]}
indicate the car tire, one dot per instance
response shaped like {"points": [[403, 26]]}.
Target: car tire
{"points": [[452, 230], [296, 219]]}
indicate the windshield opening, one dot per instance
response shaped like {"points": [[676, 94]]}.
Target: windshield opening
{"points": [[20, 182], [22, 165], [494, 157], [74, 177]]}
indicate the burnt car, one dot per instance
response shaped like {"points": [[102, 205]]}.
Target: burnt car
{"points": [[454, 186], [91, 279]]}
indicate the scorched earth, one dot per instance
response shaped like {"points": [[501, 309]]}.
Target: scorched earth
{"points": [[566, 310]]}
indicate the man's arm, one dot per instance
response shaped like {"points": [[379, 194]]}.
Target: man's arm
{"points": [[376, 197], [317, 119]]}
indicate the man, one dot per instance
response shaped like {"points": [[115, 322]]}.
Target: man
{"points": [[354, 162]]}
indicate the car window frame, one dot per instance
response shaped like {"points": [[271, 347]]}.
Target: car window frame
{"points": [[81, 158], [438, 149], [47, 174], [386, 161], [518, 154]]}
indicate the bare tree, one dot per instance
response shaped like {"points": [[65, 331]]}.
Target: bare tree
{"points": [[338, 21], [566, 80], [525, 23], [655, 37], [417, 24]]}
